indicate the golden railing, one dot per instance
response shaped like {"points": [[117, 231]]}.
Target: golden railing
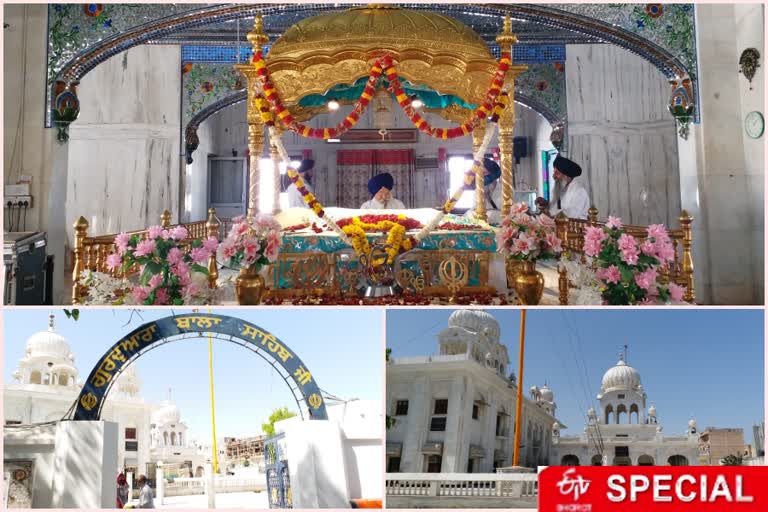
{"points": [[91, 252], [680, 271]]}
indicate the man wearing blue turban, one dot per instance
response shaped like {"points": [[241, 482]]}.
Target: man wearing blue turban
{"points": [[380, 187], [491, 175], [295, 199]]}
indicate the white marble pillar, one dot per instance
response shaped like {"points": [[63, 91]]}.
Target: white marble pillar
{"points": [[456, 446], [416, 434], [489, 434], [210, 486], [724, 176], [159, 484]]}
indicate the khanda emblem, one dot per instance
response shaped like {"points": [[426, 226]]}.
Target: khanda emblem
{"points": [[315, 401], [66, 107], [454, 275], [88, 401]]}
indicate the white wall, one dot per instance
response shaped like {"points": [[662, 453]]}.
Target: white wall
{"points": [[620, 132], [124, 148]]}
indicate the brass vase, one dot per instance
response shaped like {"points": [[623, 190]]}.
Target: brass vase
{"points": [[529, 283], [249, 286]]}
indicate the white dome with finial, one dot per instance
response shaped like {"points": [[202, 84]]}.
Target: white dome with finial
{"points": [[476, 321], [547, 394], [652, 411], [692, 424], [167, 414], [621, 377], [128, 382], [49, 344]]}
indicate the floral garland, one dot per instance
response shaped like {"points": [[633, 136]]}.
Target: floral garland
{"points": [[372, 222], [495, 102], [271, 97]]}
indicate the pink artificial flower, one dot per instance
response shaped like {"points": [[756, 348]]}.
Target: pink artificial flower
{"points": [[154, 232], [522, 219], [185, 279], [191, 290], [628, 247], [113, 261], [162, 296], [665, 251], [165, 235], [647, 279], [676, 292], [546, 222], [144, 248], [520, 208], [553, 242], [241, 228], [273, 248], [658, 232], [210, 244], [181, 269], [614, 222], [155, 281], [175, 255], [524, 244], [610, 274], [179, 233], [250, 246], [200, 254], [121, 242], [593, 238], [227, 250], [140, 293], [648, 248], [238, 219]]}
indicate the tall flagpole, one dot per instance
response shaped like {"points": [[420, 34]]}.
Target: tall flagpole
{"points": [[213, 412], [519, 409]]}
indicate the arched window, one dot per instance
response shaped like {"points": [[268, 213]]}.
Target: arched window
{"points": [[63, 379], [619, 410], [645, 460], [173, 438], [597, 460], [677, 460], [54, 379], [165, 438], [180, 441], [570, 460], [608, 415], [35, 378], [634, 410], [47, 379]]}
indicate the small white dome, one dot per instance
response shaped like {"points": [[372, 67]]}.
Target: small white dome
{"points": [[692, 423], [547, 394], [591, 413], [49, 344], [476, 321], [652, 411], [556, 426], [129, 382], [167, 414], [621, 377]]}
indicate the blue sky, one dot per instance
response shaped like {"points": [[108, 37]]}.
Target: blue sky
{"points": [[708, 363], [342, 348]]}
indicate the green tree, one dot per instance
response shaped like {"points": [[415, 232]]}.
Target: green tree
{"points": [[277, 415], [732, 460]]}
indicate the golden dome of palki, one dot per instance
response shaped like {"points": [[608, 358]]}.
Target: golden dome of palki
{"points": [[338, 48]]}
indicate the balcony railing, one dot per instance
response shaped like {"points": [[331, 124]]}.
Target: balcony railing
{"points": [[462, 485]]}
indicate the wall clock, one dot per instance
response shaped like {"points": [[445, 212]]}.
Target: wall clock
{"points": [[754, 124]]}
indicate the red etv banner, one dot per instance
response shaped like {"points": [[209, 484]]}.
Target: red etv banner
{"points": [[654, 488]]}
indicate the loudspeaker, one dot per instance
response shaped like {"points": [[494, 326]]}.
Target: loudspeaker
{"points": [[520, 148]]}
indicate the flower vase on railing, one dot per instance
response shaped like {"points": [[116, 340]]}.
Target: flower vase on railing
{"points": [[251, 245], [524, 239], [627, 271], [172, 269]]}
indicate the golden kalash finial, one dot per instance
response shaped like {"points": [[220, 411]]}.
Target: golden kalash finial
{"points": [[506, 38], [257, 37]]}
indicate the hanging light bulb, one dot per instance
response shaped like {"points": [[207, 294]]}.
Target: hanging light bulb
{"points": [[416, 102], [333, 105]]}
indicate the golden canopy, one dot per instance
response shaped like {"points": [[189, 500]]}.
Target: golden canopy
{"points": [[431, 49]]}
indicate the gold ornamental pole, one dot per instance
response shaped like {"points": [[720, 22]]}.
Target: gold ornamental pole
{"points": [[507, 125], [519, 408], [257, 38], [275, 155], [477, 140]]}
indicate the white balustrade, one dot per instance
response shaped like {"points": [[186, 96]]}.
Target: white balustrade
{"points": [[480, 485]]}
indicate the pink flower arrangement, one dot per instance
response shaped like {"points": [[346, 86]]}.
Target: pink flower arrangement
{"points": [[524, 237], [166, 267], [628, 269], [256, 243]]}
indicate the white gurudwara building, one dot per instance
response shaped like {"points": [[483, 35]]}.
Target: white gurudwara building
{"points": [[46, 385], [624, 431], [455, 412]]}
